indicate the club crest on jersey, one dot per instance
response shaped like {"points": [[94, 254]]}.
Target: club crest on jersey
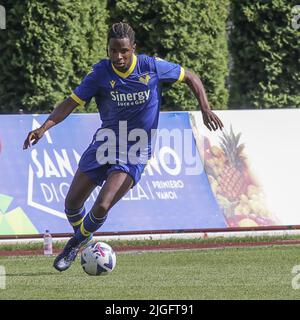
{"points": [[112, 83], [144, 79]]}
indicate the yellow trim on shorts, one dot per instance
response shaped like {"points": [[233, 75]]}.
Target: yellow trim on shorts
{"points": [[77, 99]]}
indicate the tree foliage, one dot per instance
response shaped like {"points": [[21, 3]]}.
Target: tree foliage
{"points": [[47, 48], [265, 50], [191, 33]]}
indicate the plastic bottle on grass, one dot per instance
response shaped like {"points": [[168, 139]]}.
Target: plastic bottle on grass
{"points": [[48, 250]]}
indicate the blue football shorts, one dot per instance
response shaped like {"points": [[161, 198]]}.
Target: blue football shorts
{"points": [[89, 165]]}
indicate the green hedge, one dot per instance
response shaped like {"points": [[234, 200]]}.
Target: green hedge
{"points": [[191, 33], [266, 55], [47, 48]]}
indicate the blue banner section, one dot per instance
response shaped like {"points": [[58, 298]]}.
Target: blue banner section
{"points": [[174, 192]]}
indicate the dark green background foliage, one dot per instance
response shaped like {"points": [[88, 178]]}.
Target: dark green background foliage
{"points": [[191, 33], [266, 55], [47, 48]]}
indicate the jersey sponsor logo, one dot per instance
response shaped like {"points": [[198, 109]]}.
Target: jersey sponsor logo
{"points": [[130, 99], [144, 79]]}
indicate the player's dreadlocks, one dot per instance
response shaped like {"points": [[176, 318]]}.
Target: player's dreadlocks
{"points": [[121, 30]]}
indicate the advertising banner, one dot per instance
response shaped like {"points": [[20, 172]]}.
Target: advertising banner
{"points": [[253, 165], [173, 194]]}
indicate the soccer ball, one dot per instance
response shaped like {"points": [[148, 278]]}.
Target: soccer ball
{"points": [[98, 259]]}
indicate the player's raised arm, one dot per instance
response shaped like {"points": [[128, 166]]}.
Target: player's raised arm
{"points": [[210, 119], [57, 115]]}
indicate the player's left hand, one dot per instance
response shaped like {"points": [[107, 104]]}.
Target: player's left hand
{"points": [[211, 120]]}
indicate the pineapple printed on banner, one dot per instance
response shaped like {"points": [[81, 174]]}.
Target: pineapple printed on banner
{"points": [[238, 193]]}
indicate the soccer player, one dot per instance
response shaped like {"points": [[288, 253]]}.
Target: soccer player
{"points": [[127, 91]]}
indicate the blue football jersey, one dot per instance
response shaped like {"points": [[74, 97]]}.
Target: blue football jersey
{"points": [[133, 97]]}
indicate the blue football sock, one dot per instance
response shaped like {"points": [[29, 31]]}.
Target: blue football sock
{"points": [[75, 217], [89, 225]]}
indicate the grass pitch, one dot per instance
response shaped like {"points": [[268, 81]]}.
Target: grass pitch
{"points": [[231, 273]]}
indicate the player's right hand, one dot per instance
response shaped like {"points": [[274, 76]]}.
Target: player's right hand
{"points": [[33, 137]]}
